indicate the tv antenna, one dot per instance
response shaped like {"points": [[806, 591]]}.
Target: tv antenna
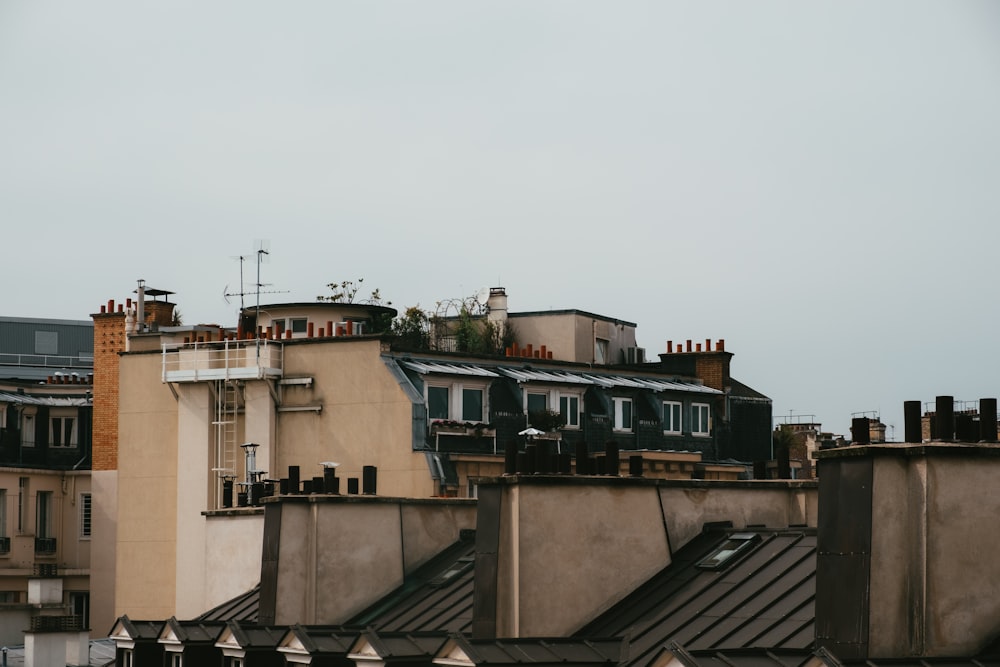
{"points": [[261, 253]]}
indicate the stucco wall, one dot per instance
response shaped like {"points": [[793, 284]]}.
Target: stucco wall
{"points": [[104, 528], [366, 418], [935, 578], [147, 487], [339, 555], [570, 547], [232, 555]]}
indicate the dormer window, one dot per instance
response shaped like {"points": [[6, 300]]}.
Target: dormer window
{"points": [[623, 413], [457, 401]]}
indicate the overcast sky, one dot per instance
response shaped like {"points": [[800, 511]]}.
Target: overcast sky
{"points": [[818, 183]]}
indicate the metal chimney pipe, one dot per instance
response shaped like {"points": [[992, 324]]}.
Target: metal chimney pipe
{"points": [[293, 479], [352, 486], [369, 476], [140, 309], [988, 419], [945, 418], [635, 465], [582, 459], [330, 482], [912, 431], [612, 461], [227, 492]]}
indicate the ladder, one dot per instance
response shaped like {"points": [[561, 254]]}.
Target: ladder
{"points": [[226, 409]]}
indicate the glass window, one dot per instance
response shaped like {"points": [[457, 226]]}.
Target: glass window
{"points": [[700, 424], [623, 414], [537, 402], [437, 402], [62, 428], [601, 351], [671, 417], [84, 515], [299, 325], [22, 505], [80, 604], [472, 405], [43, 514], [569, 408], [3, 512], [28, 427]]}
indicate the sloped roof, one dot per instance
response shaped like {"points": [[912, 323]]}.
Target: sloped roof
{"points": [[437, 597], [241, 608], [765, 600], [589, 378]]}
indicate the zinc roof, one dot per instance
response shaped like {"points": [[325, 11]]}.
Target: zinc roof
{"points": [[525, 374]]}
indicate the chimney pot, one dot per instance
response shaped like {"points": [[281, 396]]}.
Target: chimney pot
{"points": [[670, 347]]}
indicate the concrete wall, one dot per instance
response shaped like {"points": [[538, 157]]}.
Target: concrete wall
{"points": [[571, 547], [338, 555]]}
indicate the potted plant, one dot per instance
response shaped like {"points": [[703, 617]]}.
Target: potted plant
{"points": [[546, 420]]}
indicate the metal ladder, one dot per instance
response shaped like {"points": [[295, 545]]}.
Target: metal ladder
{"points": [[226, 409]]}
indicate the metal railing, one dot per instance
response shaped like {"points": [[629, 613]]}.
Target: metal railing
{"points": [[222, 360], [46, 360], [45, 545]]}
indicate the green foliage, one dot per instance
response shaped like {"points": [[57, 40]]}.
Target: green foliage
{"points": [[546, 420], [346, 292], [412, 329]]}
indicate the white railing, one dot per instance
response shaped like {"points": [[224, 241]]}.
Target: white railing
{"points": [[224, 360]]}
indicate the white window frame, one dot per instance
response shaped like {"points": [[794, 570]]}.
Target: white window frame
{"points": [[299, 326], [570, 397], [57, 417], [701, 419], [673, 411], [544, 393], [27, 425], [3, 513], [456, 400], [86, 515], [618, 408]]}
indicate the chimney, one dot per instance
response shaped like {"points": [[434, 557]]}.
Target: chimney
{"points": [[906, 564], [496, 306]]}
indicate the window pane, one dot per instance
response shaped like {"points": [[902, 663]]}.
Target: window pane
{"points": [[472, 405], [299, 325], [626, 414], [569, 408], [437, 402], [537, 402]]}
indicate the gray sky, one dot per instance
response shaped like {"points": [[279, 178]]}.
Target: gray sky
{"points": [[818, 183]]}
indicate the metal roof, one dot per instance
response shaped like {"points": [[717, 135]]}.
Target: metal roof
{"points": [[241, 608], [549, 651], [437, 597], [765, 600], [51, 401], [526, 374]]}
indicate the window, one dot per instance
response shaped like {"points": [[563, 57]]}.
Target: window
{"points": [[10, 597], [457, 402], [700, 423], [437, 402], [569, 408], [623, 413], [62, 428], [3, 512], [601, 350], [537, 402], [472, 405], [28, 427], [43, 514], [79, 603], [671, 417], [298, 325], [176, 660], [22, 505], [85, 515], [46, 342], [126, 657]]}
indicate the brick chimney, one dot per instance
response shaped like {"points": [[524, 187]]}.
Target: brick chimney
{"points": [[907, 561], [109, 342], [703, 362]]}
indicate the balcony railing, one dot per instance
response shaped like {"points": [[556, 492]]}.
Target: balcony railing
{"points": [[45, 545], [224, 360]]}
